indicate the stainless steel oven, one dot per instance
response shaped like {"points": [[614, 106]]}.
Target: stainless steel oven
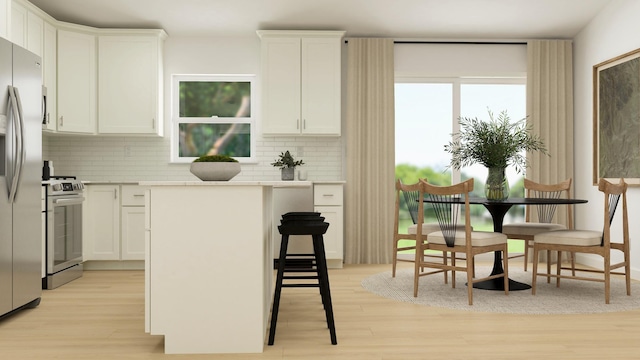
{"points": [[63, 240]]}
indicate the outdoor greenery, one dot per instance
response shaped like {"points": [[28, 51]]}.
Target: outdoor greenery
{"points": [[496, 143], [210, 100], [480, 218], [214, 98]]}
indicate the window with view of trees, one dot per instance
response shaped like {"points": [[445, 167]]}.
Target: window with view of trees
{"points": [[427, 112], [212, 115]]}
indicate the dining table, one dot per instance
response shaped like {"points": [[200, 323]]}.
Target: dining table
{"points": [[498, 209]]}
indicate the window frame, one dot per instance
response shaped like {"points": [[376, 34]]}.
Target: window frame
{"points": [[176, 119]]}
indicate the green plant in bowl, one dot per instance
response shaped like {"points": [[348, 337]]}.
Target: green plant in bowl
{"points": [[215, 167]]}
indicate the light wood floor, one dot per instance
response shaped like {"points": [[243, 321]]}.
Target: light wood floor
{"points": [[101, 315]]}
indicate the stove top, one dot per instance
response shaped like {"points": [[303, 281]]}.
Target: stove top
{"points": [[59, 185]]}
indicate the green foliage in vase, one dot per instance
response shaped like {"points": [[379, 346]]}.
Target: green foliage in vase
{"points": [[496, 143], [285, 160], [215, 158]]}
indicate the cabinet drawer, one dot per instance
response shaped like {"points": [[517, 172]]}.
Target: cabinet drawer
{"points": [[327, 195], [133, 195]]}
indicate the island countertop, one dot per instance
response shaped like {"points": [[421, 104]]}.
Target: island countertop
{"points": [[228, 183]]}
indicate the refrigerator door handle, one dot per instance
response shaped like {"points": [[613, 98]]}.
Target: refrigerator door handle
{"points": [[13, 106], [22, 156]]}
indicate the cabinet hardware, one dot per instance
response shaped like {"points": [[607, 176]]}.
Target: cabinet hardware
{"points": [[61, 120], [297, 123]]}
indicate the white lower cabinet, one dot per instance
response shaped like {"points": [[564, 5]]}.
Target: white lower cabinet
{"points": [[101, 223], [132, 223], [114, 222], [328, 200]]}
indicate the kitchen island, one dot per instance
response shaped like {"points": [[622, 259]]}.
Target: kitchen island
{"points": [[209, 265]]}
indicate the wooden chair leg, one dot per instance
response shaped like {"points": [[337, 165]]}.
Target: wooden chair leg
{"points": [[548, 266], [505, 265], [558, 268], [534, 271], [470, 281], [526, 254]]}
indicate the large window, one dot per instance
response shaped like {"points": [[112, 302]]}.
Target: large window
{"points": [[212, 115], [427, 112]]}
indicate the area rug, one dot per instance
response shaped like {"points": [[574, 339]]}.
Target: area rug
{"points": [[572, 297]]}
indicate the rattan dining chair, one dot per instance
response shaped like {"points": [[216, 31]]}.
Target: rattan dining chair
{"points": [[591, 242], [449, 209], [544, 214]]}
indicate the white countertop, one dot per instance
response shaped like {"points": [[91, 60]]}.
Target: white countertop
{"points": [[228, 183], [275, 183]]}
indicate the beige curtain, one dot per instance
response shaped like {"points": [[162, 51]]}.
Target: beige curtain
{"points": [[370, 152], [550, 110]]}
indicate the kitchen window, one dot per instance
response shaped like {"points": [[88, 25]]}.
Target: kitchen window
{"points": [[212, 114]]}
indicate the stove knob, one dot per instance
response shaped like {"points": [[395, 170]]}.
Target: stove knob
{"points": [[57, 187]]}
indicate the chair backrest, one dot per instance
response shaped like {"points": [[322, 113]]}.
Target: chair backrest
{"points": [[546, 212], [414, 199], [449, 203], [410, 199], [612, 195]]}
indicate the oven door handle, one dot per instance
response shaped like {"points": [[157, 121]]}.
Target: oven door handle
{"points": [[74, 201]]}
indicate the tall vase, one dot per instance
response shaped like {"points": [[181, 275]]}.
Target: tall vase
{"points": [[497, 185]]}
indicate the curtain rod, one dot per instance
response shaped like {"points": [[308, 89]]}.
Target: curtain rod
{"points": [[346, 41]]}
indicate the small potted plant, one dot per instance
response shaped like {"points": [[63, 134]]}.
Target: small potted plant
{"points": [[215, 167], [287, 165]]}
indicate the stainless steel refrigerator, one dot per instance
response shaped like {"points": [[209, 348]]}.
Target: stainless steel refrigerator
{"points": [[20, 178]]}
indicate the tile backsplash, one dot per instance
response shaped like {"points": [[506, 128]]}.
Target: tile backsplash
{"points": [[126, 158]]}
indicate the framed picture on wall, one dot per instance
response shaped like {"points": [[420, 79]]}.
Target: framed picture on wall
{"points": [[616, 119]]}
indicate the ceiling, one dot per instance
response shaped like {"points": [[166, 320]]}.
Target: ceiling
{"points": [[400, 19]]}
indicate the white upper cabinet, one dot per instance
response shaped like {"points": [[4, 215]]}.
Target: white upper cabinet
{"points": [[130, 83], [76, 82], [50, 76], [5, 18], [301, 77], [35, 34]]}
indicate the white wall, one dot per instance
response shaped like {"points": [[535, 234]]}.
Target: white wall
{"points": [[613, 32], [103, 158]]}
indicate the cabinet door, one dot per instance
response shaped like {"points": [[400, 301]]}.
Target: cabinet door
{"points": [[19, 24], [5, 18], [281, 85], [101, 230], [35, 33], [333, 237], [133, 233], [50, 75], [321, 74], [128, 78], [76, 82]]}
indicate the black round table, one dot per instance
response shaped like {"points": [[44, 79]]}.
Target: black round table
{"points": [[498, 209]]}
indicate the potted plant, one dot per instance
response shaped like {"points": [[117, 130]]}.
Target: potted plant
{"points": [[287, 165], [496, 144], [215, 167]]}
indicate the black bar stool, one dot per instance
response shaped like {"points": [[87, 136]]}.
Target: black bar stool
{"points": [[303, 223]]}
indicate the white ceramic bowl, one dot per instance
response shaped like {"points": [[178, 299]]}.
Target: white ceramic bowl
{"points": [[215, 171]]}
